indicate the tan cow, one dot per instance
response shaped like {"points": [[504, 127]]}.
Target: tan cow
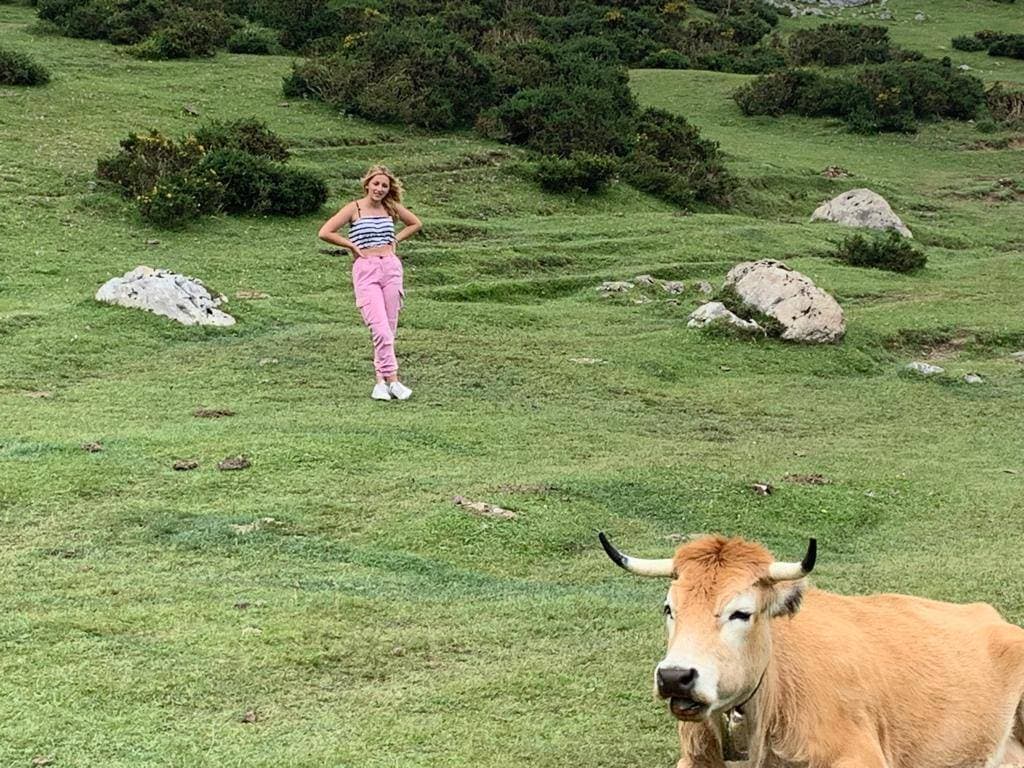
{"points": [[826, 680]]}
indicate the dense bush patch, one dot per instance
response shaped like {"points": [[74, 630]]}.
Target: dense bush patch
{"points": [[237, 170], [580, 172], [890, 251], [838, 44], [885, 97], [672, 161], [1006, 104], [20, 69], [996, 43]]}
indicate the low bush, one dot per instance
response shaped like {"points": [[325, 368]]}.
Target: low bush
{"points": [[1008, 45], [20, 69], [666, 59], [580, 172], [185, 33], [839, 44], [256, 185], [752, 60], [175, 181], [673, 162], [968, 43], [254, 40], [145, 159], [883, 97], [246, 134], [1005, 104], [890, 251]]}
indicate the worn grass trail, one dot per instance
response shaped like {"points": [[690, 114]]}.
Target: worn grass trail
{"points": [[372, 623]]}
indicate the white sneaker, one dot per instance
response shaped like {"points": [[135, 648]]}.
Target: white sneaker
{"points": [[399, 391], [380, 391]]}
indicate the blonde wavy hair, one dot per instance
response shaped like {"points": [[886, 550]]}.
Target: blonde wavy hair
{"points": [[394, 195]]}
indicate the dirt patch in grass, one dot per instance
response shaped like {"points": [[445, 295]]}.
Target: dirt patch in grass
{"points": [[1005, 142], [212, 413]]}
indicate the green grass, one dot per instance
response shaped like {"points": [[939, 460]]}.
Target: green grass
{"points": [[376, 624]]}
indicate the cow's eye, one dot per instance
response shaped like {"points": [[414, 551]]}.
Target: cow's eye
{"points": [[667, 611], [739, 616]]}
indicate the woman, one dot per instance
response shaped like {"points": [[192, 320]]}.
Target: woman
{"points": [[376, 269]]}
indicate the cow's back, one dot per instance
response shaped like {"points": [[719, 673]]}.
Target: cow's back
{"points": [[938, 683]]}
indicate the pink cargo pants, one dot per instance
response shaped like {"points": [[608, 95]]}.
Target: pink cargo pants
{"points": [[377, 282]]}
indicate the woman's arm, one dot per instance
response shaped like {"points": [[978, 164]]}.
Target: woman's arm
{"points": [[329, 231], [412, 224]]}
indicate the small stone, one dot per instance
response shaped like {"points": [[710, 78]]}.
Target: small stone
{"points": [[964, 67], [642, 300], [836, 172], [151, 242], [40, 760], [586, 360], [919, 16], [973, 378], [39, 393], [252, 631], [705, 287], [762, 489], [268, 361], [234, 463], [715, 311], [483, 509], [673, 286], [645, 280], [92, 447], [191, 109], [251, 295], [1018, 356], [925, 369], [614, 286], [184, 465], [250, 716], [283, 104], [885, 15]]}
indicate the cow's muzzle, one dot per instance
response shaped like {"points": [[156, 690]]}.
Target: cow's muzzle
{"points": [[677, 685]]}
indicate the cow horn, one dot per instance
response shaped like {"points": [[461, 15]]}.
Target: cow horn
{"points": [[792, 571], [635, 564]]}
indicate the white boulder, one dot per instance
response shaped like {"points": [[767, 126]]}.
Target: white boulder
{"points": [[805, 312], [181, 298], [860, 208]]}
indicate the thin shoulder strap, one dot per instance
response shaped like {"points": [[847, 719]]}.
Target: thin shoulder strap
{"points": [[358, 211]]}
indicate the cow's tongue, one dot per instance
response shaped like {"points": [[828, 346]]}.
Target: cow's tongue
{"points": [[684, 707]]}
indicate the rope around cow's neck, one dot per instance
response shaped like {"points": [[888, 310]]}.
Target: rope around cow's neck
{"points": [[730, 749]]}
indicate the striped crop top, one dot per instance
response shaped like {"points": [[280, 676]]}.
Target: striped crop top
{"points": [[370, 231]]}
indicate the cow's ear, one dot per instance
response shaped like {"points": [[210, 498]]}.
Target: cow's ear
{"points": [[786, 597]]}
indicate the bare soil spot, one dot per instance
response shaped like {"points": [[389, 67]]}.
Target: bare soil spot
{"points": [[184, 465], [212, 413], [811, 479], [234, 463], [483, 509], [92, 447]]}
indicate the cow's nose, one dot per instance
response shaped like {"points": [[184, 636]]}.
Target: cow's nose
{"points": [[676, 681]]}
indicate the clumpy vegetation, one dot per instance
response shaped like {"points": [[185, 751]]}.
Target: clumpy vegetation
{"points": [[1006, 104], [889, 251], [996, 43], [556, 85], [20, 69], [234, 167], [838, 44], [885, 97]]}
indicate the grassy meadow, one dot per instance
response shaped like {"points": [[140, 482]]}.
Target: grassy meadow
{"points": [[371, 622]]}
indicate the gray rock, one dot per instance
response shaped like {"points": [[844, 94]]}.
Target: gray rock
{"points": [[919, 16], [1018, 356], [705, 287], [860, 208], [673, 286], [925, 369], [715, 312], [885, 15], [181, 298], [973, 378], [614, 286], [645, 280], [806, 313]]}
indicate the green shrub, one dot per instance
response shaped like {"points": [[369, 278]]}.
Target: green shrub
{"points": [[673, 162], [134, 21], [1006, 104], [145, 159], [580, 172], [890, 251], [254, 184], [753, 60], [776, 93], [1008, 45], [838, 44], [246, 134], [20, 69], [185, 33], [666, 59], [968, 43], [179, 198], [254, 40]]}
